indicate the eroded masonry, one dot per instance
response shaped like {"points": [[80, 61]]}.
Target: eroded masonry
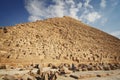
{"points": [[56, 41]]}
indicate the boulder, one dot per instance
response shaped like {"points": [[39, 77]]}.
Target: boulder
{"points": [[65, 70]]}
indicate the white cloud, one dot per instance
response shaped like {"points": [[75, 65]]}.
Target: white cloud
{"points": [[103, 3], [33, 18], [58, 9], [116, 33], [39, 9], [87, 4], [91, 17]]}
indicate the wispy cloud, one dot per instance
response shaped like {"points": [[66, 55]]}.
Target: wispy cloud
{"points": [[116, 33], [103, 3], [87, 4], [91, 17], [39, 9]]}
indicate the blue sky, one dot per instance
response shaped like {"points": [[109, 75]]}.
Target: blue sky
{"points": [[101, 14]]}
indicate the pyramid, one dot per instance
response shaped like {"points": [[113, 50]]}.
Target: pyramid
{"points": [[57, 40]]}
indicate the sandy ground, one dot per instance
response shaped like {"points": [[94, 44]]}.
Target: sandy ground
{"points": [[15, 71], [83, 75], [93, 75], [116, 77]]}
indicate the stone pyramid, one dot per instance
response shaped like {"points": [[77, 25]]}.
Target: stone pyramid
{"points": [[57, 40]]}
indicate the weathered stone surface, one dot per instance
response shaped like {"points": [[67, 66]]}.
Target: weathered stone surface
{"points": [[57, 40]]}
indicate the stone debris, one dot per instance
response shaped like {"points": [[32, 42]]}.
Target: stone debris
{"points": [[50, 73]]}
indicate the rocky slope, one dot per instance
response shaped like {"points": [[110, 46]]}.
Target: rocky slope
{"points": [[57, 40]]}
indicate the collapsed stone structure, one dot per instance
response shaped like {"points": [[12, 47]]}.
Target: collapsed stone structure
{"points": [[56, 41]]}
